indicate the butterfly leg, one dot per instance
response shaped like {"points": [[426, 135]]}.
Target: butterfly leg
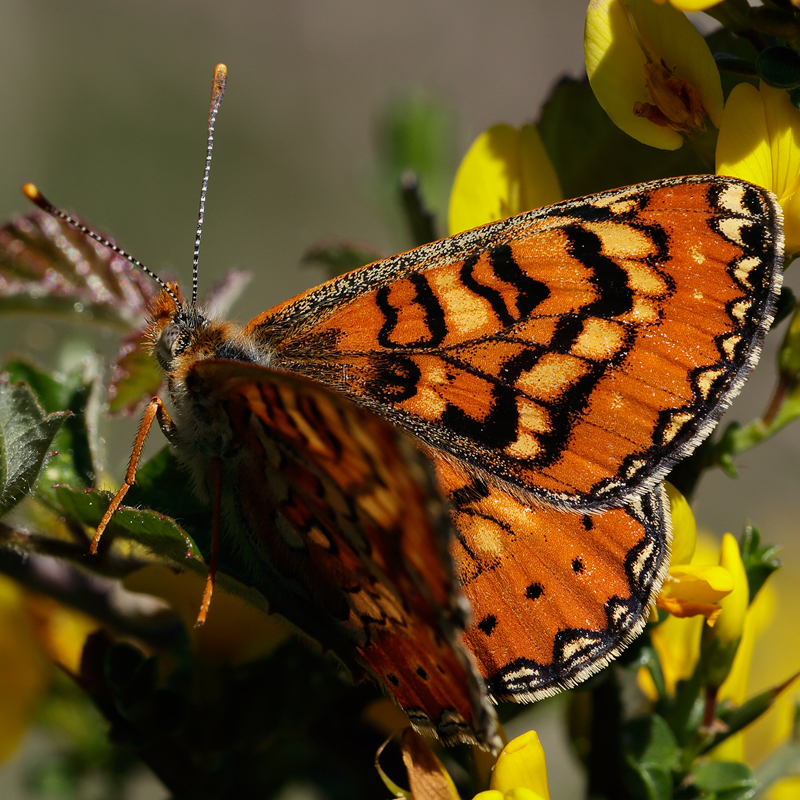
{"points": [[155, 409], [215, 474]]}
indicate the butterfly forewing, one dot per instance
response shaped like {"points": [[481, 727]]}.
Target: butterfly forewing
{"points": [[348, 538], [573, 352]]}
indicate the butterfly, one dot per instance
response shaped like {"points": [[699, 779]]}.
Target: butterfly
{"points": [[446, 465]]}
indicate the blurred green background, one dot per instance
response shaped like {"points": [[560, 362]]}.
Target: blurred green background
{"points": [[104, 108]]}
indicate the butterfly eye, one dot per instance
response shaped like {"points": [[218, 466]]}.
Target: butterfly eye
{"points": [[173, 341]]}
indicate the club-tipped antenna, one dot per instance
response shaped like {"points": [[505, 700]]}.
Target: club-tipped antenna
{"points": [[38, 199], [217, 91]]}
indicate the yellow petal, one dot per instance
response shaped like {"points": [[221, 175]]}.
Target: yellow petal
{"points": [[734, 605], [688, 6], [61, 631], [234, 631], [24, 669], [734, 688], [791, 230], [640, 56], [684, 529], [522, 765], [489, 794], [698, 583], [683, 609], [677, 642], [521, 793], [758, 142], [505, 171]]}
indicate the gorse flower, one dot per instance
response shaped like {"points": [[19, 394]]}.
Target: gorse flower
{"points": [[520, 772], [721, 641], [236, 633], [651, 71], [690, 5], [35, 633], [691, 588], [758, 142], [505, 171]]}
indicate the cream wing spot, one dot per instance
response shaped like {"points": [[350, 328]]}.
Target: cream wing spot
{"points": [[551, 376], [465, 312], [644, 279], [487, 538], [645, 311], [741, 309], [706, 380], [696, 252], [731, 198], [743, 269], [730, 344], [731, 229], [621, 241], [676, 424], [599, 340], [533, 419]]}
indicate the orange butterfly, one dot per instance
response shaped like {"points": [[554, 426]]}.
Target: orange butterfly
{"points": [[446, 465]]}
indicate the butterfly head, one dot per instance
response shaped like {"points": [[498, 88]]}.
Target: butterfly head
{"points": [[178, 334]]}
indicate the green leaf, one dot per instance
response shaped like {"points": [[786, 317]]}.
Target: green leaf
{"points": [[76, 461], [26, 434], [651, 753], [735, 57], [723, 780], [135, 376], [736, 718], [590, 153], [417, 135], [158, 533], [779, 67], [759, 562]]}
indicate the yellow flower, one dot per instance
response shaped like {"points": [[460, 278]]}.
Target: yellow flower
{"points": [[758, 141], [694, 589], [730, 624], [691, 5], [690, 588], [651, 71], [34, 632], [520, 772], [24, 670], [234, 631], [506, 171], [735, 686]]}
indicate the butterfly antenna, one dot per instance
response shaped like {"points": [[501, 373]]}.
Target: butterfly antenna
{"points": [[38, 199], [217, 90]]}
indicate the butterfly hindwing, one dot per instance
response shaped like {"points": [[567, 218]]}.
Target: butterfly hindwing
{"points": [[347, 537], [554, 595], [572, 352]]}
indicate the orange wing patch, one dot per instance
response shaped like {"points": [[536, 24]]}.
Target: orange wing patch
{"points": [[574, 352], [554, 595]]}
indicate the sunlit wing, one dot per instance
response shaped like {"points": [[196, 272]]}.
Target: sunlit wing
{"points": [[555, 595], [574, 352], [338, 516]]}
